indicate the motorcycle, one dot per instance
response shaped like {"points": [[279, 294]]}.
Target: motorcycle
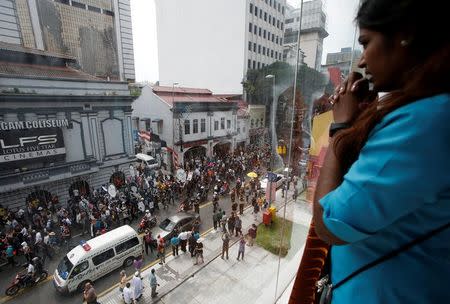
{"points": [[146, 223], [185, 206], [22, 280]]}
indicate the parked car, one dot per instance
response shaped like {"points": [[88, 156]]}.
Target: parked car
{"points": [[280, 179], [181, 222], [147, 161]]}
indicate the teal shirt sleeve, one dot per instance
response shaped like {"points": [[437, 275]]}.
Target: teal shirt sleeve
{"points": [[402, 166]]}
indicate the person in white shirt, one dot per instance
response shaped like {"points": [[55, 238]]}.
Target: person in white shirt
{"points": [[136, 282], [38, 237], [128, 296], [46, 239], [24, 231]]}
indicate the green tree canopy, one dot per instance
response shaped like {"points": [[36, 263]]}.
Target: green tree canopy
{"points": [[259, 89]]}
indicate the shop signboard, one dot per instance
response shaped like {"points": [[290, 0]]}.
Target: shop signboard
{"points": [[22, 146]]}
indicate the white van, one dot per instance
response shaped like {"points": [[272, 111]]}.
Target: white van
{"points": [[97, 257], [147, 161]]}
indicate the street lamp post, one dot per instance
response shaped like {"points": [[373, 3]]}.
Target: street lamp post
{"points": [[269, 180], [180, 117], [173, 90], [173, 121], [272, 114]]}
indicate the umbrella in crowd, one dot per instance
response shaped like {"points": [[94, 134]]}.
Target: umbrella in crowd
{"points": [[252, 174]]}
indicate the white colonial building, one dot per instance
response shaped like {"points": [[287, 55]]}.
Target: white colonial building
{"points": [[189, 121], [257, 124], [243, 125]]}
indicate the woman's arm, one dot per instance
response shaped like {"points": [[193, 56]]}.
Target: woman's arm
{"points": [[329, 180], [345, 108]]}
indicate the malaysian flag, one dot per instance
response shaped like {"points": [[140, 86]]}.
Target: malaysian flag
{"points": [[145, 135]]}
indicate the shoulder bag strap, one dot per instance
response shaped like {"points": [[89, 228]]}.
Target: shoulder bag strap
{"points": [[392, 254]]}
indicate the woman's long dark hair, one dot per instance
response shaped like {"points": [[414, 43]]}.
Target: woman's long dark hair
{"points": [[425, 23]]}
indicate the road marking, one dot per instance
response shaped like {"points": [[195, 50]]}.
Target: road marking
{"points": [[205, 205], [49, 278], [21, 291], [151, 264]]}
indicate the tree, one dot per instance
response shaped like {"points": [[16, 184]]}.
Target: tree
{"points": [[309, 85]]}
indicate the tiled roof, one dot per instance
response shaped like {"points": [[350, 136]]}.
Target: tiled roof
{"points": [[168, 98], [46, 71], [18, 48], [242, 108], [169, 89], [227, 96]]}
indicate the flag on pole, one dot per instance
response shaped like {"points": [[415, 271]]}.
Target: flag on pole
{"points": [[145, 135]]}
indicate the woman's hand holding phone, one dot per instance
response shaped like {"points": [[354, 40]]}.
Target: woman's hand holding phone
{"points": [[351, 98]]}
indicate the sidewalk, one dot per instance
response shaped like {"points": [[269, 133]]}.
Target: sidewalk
{"points": [[228, 281]]}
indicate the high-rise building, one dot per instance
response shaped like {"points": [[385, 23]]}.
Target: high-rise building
{"points": [[312, 33], [213, 43], [346, 60], [96, 32]]}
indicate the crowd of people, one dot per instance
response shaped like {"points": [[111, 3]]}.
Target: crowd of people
{"points": [[46, 225]]}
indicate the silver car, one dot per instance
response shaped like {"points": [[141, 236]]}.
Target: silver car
{"points": [[180, 222], [279, 181]]}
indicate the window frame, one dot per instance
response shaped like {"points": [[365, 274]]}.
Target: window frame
{"points": [[195, 126], [203, 120], [187, 127], [125, 243], [100, 255], [72, 274]]}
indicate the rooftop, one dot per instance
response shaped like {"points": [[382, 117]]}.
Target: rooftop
{"points": [[172, 95], [168, 89], [242, 108], [170, 99]]}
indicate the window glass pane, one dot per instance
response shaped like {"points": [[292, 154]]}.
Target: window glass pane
{"points": [[195, 126], [79, 268], [203, 122], [126, 245], [103, 257], [187, 126]]}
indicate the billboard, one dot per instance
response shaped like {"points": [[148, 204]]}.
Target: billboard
{"points": [[18, 146]]}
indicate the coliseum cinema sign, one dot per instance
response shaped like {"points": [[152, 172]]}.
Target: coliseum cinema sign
{"points": [[26, 141], [33, 124]]}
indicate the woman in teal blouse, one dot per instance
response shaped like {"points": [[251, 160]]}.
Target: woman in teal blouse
{"points": [[385, 180]]}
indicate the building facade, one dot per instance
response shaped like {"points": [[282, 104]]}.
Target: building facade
{"points": [[62, 131], [242, 128], [190, 121], [96, 32], [347, 60], [258, 133], [312, 33], [204, 43]]}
